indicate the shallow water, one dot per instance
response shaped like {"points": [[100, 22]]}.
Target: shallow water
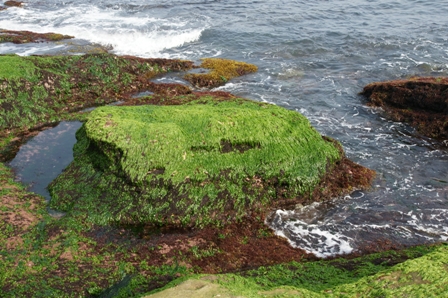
{"points": [[41, 159], [313, 57]]}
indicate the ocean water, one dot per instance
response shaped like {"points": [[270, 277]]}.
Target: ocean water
{"points": [[314, 58]]}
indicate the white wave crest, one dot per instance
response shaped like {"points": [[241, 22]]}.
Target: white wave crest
{"points": [[139, 35]]}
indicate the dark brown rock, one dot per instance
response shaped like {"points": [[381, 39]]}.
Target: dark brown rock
{"points": [[13, 3], [420, 102]]}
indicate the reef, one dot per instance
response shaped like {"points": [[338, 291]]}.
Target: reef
{"points": [[148, 198], [19, 37], [420, 102], [391, 274]]}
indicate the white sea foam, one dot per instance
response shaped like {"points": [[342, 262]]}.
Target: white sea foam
{"points": [[312, 238], [346, 225], [144, 36]]}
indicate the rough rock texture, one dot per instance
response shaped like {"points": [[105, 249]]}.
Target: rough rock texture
{"points": [[421, 102], [195, 288]]}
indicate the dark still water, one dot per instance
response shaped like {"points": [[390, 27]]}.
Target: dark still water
{"points": [[41, 159], [313, 57]]}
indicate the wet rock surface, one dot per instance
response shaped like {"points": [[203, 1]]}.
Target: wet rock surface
{"points": [[19, 37], [420, 102]]}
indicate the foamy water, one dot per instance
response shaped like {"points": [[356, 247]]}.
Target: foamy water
{"points": [[314, 58], [124, 33]]}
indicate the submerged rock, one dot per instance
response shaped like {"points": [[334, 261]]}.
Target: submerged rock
{"points": [[194, 164], [20, 37], [221, 71], [420, 102]]}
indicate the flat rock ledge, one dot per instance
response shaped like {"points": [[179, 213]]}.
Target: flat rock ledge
{"points": [[420, 102]]}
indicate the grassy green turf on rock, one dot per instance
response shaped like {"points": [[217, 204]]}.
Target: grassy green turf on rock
{"points": [[190, 165], [37, 90]]}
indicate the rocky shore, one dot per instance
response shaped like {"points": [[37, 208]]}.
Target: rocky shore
{"points": [[176, 183]]}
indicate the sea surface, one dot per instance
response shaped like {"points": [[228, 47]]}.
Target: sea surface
{"points": [[314, 57]]}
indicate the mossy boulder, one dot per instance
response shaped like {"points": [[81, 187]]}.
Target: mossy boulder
{"points": [[420, 102], [199, 163]]}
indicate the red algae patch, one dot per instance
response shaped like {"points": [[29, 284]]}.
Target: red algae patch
{"points": [[420, 102], [19, 37]]}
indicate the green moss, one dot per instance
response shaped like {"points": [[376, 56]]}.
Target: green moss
{"points": [[194, 163], [416, 278], [221, 71], [13, 67], [36, 90], [375, 275]]}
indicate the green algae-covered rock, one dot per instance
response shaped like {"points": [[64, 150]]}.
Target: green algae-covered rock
{"points": [[221, 70], [42, 89], [200, 163], [20, 37]]}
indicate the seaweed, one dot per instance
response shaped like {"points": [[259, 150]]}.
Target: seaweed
{"points": [[203, 162], [221, 71]]}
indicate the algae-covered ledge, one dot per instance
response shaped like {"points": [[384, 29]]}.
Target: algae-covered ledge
{"points": [[145, 174]]}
